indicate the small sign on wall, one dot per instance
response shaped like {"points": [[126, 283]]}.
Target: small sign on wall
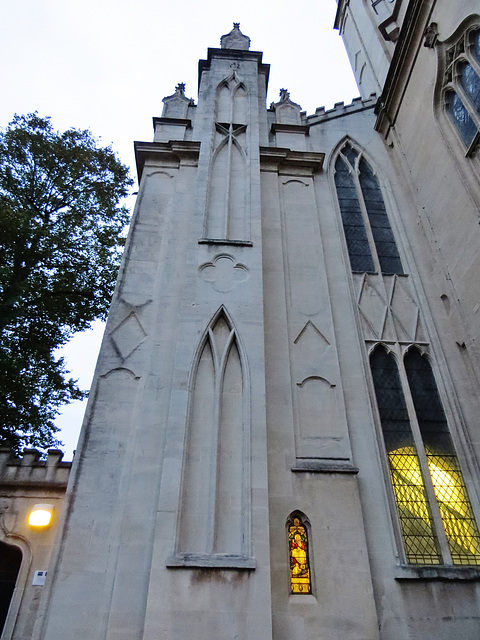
{"points": [[39, 578]]}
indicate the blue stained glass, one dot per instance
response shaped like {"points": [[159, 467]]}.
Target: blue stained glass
{"points": [[476, 45], [354, 229], [382, 233], [461, 118], [471, 83]]}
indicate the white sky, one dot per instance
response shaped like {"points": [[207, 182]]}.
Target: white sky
{"points": [[106, 65]]}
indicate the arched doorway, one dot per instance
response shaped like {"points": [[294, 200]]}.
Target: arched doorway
{"points": [[10, 561]]}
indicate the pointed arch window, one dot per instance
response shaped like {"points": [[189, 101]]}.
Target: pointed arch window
{"points": [[370, 242], [462, 87], [435, 514], [298, 546]]}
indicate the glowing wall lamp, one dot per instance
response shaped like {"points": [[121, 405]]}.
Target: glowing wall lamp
{"points": [[40, 515]]}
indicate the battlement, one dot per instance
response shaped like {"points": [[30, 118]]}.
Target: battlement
{"points": [[341, 109], [31, 471]]}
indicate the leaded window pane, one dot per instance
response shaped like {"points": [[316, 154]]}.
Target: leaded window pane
{"points": [[353, 226], [382, 233], [476, 45], [350, 153], [447, 478], [461, 118], [471, 84], [421, 545]]}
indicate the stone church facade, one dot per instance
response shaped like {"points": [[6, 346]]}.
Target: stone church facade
{"points": [[282, 435]]}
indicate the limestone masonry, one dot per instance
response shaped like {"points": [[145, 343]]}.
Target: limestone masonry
{"points": [[282, 436]]}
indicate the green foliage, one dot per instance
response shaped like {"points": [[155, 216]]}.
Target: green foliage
{"points": [[60, 248]]}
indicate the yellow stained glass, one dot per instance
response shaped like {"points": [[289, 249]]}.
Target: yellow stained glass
{"points": [[455, 508], [421, 546], [299, 568]]}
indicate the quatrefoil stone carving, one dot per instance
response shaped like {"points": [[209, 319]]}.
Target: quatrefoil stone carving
{"points": [[223, 273]]}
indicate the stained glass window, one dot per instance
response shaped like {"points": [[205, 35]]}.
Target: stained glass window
{"points": [[421, 545], [434, 475], [300, 581], [461, 118], [377, 215], [455, 508], [462, 87], [353, 225], [364, 214]]}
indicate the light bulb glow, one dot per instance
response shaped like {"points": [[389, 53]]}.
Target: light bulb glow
{"points": [[40, 515]]}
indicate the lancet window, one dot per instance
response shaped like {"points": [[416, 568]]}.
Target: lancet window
{"points": [[370, 242], [434, 510], [298, 545], [462, 87]]}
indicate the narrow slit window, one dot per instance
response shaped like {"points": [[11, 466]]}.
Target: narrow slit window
{"points": [[298, 544]]}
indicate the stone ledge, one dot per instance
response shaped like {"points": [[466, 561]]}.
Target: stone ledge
{"points": [[171, 153], [178, 122], [287, 162], [445, 572], [312, 465], [211, 561], [279, 127], [237, 243]]}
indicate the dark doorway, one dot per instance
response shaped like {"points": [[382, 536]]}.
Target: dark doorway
{"points": [[10, 561]]}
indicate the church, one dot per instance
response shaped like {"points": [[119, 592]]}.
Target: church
{"points": [[282, 439]]}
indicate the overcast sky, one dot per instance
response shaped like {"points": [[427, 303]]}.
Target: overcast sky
{"points": [[106, 65]]}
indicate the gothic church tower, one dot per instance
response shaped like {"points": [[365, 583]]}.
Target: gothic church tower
{"points": [[280, 437]]}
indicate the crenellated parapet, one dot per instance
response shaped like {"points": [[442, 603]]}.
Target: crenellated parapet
{"points": [[341, 109], [30, 471]]}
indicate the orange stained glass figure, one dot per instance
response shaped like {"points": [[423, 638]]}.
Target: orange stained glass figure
{"points": [[299, 569]]}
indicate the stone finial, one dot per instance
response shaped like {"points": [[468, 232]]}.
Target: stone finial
{"points": [[176, 105], [235, 39], [287, 111]]}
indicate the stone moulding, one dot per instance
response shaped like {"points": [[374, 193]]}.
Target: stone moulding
{"points": [[324, 466], [238, 243], [284, 161], [213, 561], [234, 54], [173, 153], [180, 122], [407, 572], [409, 41], [280, 127]]}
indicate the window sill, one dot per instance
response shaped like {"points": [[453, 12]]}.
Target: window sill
{"points": [[211, 561], [445, 572]]}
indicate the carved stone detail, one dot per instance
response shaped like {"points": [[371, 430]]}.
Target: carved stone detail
{"points": [[128, 336], [388, 311], [215, 505], [223, 273], [235, 39]]}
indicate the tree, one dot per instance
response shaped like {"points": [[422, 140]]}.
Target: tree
{"points": [[61, 226]]}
